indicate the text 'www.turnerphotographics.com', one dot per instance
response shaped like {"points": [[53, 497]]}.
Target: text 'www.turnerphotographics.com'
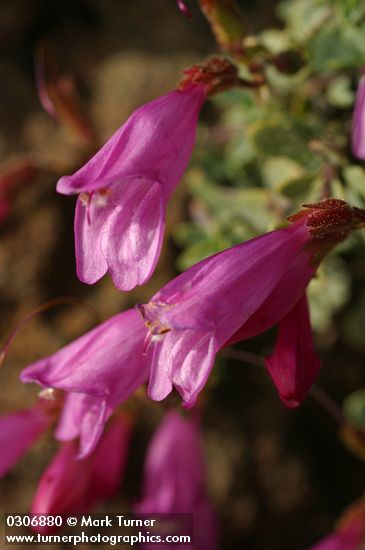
{"points": [[110, 529]]}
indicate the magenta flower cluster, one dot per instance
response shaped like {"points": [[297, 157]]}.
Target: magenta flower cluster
{"points": [[172, 341]]}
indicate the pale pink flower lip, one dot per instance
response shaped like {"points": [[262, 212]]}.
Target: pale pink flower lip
{"points": [[125, 186], [83, 416]]}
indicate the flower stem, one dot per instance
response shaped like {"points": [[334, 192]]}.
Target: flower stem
{"points": [[36, 311]]}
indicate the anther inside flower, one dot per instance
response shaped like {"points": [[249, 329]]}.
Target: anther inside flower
{"points": [[98, 198], [149, 314]]}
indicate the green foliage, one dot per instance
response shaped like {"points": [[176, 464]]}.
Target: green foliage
{"points": [[336, 49], [328, 292], [267, 151], [305, 17], [339, 93]]}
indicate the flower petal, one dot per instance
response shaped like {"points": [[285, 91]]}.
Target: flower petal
{"points": [[184, 360], [109, 459], [358, 123], [281, 300], [110, 354], [102, 368], [82, 416], [223, 291], [293, 365], [91, 264], [74, 486], [18, 431], [133, 234], [63, 487], [156, 142], [338, 541], [174, 478]]}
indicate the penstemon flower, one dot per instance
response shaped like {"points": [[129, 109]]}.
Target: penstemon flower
{"points": [[124, 189], [239, 293], [75, 486], [174, 478], [100, 370]]}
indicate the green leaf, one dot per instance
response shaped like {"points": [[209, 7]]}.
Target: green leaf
{"points": [[337, 189], [355, 179], [305, 17], [289, 140], [277, 171], [275, 40], [335, 49], [339, 93]]}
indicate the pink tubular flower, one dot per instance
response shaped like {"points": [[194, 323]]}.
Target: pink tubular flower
{"points": [[70, 486], [358, 122], [239, 293], [174, 481], [349, 534], [124, 189], [18, 431], [103, 367]]}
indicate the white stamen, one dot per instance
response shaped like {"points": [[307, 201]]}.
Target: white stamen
{"points": [[48, 393]]}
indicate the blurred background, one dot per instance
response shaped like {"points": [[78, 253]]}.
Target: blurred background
{"points": [[278, 478]]}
